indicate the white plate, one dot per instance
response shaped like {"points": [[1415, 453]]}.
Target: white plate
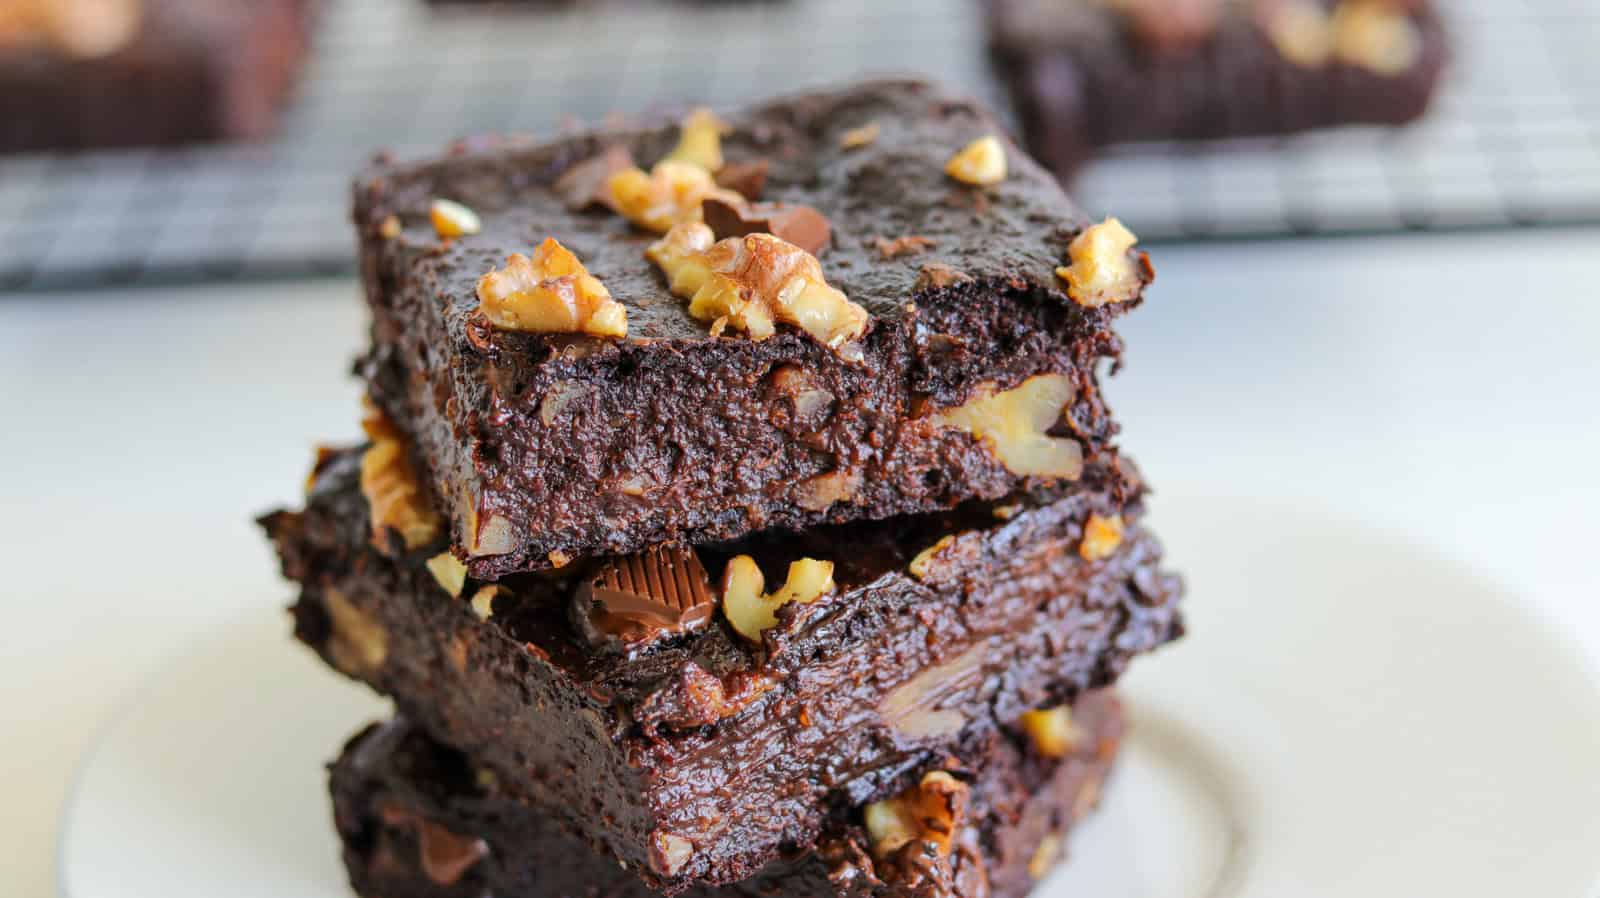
{"points": [[1349, 716]]}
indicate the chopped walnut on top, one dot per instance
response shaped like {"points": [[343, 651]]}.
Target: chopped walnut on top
{"points": [[395, 498], [1298, 29], [981, 163], [1015, 425], [550, 293], [82, 29], [673, 189], [700, 140], [750, 610], [670, 193], [1104, 269], [927, 813], [451, 219], [752, 282], [1376, 36]]}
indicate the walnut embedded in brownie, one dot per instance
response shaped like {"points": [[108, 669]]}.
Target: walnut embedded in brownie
{"points": [[1086, 75], [660, 422], [695, 743], [103, 73], [420, 820]]}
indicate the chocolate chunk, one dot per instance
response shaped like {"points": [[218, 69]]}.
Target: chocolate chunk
{"points": [[641, 597], [803, 226], [748, 179], [445, 856], [583, 186]]}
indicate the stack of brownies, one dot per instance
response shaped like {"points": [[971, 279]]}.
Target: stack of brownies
{"points": [[740, 514]]}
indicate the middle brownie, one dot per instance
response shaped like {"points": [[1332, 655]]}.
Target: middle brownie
{"points": [[633, 700]]}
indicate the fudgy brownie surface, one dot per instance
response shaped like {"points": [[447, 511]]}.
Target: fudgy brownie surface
{"points": [[418, 820], [698, 755], [1082, 76], [541, 448], [190, 70]]}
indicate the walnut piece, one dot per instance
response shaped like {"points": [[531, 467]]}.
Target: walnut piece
{"points": [[1104, 269], [670, 193], [700, 140], [751, 611], [394, 497], [1376, 36], [452, 219], [1101, 537], [550, 293], [1300, 30], [483, 600], [669, 852], [1052, 731], [1013, 424], [81, 29], [449, 572], [752, 282], [826, 490], [856, 138], [928, 812], [923, 562], [981, 163], [357, 644]]}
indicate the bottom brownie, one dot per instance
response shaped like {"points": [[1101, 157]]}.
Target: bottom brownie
{"points": [[419, 821]]}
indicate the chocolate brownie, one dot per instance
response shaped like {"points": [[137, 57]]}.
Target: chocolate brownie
{"points": [[104, 73], [944, 345], [1085, 75], [628, 700], [418, 820]]}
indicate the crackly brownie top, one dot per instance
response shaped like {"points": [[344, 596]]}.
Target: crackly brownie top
{"points": [[871, 159]]}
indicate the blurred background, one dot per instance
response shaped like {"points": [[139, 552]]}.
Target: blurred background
{"points": [[1395, 327]]}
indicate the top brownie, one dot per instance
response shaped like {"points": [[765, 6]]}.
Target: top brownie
{"points": [[924, 328]]}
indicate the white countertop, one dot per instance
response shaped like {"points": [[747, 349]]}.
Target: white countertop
{"points": [[1442, 389]]}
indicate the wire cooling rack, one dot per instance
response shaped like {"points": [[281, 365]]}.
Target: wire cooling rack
{"points": [[1514, 138]]}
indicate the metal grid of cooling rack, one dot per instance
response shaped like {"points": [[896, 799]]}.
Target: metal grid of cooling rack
{"points": [[1513, 139]]}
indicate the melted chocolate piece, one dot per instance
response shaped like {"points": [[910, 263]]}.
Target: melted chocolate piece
{"points": [[639, 598], [803, 226], [443, 856]]}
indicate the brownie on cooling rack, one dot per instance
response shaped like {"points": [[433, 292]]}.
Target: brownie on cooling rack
{"points": [[887, 309], [419, 820], [1084, 75], [110, 73], [697, 731]]}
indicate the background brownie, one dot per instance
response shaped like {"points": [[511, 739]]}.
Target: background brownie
{"points": [[418, 820], [693, 754], [1085, 75], [542, 448], [137, 72]]}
